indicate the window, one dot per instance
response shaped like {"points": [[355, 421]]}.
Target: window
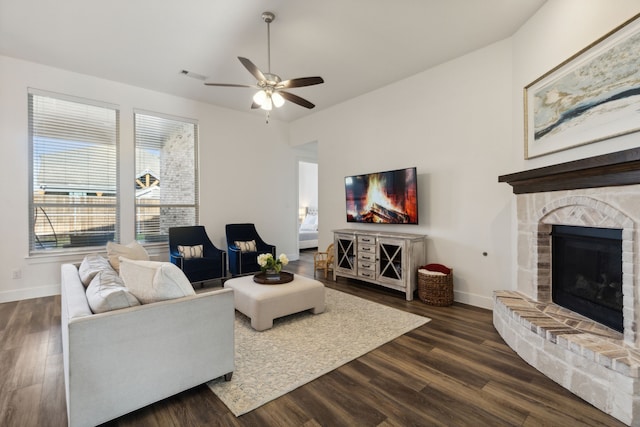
{"points": [[73, 147], [166, 175]]}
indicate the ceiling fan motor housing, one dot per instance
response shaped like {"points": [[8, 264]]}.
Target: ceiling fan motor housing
{"points": [[268, 17]]}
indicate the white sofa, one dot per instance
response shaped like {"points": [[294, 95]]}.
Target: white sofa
{"points": [[122, 360]]}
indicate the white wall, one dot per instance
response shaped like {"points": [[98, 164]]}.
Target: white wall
{"points": [[453, 123], [461, 124], [308, 184], [247, 170]]}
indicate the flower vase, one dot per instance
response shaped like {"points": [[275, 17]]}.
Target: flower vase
{"points": [[272, 274]]}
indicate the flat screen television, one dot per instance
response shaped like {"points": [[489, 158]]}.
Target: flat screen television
{"points": [[389, 197]]}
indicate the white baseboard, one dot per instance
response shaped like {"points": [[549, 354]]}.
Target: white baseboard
{"points": [[473, 299], [28, 293]]}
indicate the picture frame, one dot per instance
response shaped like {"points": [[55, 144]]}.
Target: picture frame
{"points": [[592, 96]]}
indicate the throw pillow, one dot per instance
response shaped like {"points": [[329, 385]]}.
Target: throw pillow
{"points": [[249, 246], [152, 281], [310, 219], [107, 292], [133, 250], [91, 265], [188, 252]]}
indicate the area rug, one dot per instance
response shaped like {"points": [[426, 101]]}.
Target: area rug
{"points": [[301, 347]]}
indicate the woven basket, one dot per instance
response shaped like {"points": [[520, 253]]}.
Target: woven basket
{"points": [[435, 289]]}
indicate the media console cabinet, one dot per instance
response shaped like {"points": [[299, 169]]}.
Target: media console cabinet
{"points": [[385, 258]]}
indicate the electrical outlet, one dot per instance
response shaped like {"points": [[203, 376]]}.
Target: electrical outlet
{"points": [[16, 274]]}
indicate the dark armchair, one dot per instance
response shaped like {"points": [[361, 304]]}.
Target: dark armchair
{"points": [[198, 266], [245, 260]]}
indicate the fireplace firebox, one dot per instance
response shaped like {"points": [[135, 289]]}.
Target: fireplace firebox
{"points": [[587, 272]]}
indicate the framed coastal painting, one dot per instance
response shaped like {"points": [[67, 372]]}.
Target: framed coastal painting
{"points": [[592, 96]]}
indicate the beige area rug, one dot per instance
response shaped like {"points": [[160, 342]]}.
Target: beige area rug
{"points": [[301, 347]]}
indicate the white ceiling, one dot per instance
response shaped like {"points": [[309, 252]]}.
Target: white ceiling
{"points": [[355, 45]]}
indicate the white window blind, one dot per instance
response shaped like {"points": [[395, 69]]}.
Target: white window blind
{"points": [[166, 175], [73, 173]]}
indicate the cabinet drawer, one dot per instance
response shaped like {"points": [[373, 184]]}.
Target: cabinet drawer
{"points": [[366, 265], [370, 274], [366, 249], [366, 256], [367, 240]]}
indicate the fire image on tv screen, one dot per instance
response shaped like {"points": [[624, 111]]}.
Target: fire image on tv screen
{"points": [[389, 197]]}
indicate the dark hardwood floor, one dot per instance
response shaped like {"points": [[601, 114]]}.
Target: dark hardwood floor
{"points": [[453, 371]]}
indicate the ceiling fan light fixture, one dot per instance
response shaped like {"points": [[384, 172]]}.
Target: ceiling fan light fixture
{"points": [[267, 105], [277, 99], [260, 97]]}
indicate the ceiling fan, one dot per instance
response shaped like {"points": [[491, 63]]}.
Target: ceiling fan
{"points": [[270, 85]]}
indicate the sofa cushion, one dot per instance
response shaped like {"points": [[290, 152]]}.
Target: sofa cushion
{"points": [[133, 250], [107, 292], [152, 281], [188, 252], [91, 265], [248, 246]]}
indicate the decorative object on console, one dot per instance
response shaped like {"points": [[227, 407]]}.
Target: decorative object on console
{"points": [[389, 197], [245, 262], [212, 264], [592, 96], [435, 284]]}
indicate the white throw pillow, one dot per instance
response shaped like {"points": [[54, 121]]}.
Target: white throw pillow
{"points": [[91, 265], [249, 246], [107, 292], [188, 252], [152, 281], [133, 250]]}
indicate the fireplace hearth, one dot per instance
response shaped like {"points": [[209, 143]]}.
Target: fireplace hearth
{"points": [[586, 272], [543, 317]]}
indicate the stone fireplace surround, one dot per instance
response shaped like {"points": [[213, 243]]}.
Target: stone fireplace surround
{"points": [[600, 365]]}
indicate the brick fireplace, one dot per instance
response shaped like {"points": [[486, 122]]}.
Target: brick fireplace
{"points": [[597, 363]]}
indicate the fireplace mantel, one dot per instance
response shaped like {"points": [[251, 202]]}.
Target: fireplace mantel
{"points": [[619, 168]]}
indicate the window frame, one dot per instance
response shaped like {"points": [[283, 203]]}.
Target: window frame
{"points": [[34, 205], [196, 174]]}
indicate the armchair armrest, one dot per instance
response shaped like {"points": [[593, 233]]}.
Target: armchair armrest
{"points": [[265, 247], [177, 259]]}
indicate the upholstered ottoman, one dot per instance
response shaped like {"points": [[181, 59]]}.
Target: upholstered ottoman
{"points": [[263, 303]]}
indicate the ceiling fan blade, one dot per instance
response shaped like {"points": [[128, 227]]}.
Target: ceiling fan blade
{"points": [[255, 71], [227, 85], [296, 99], [254, 106], [300, 82]]}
